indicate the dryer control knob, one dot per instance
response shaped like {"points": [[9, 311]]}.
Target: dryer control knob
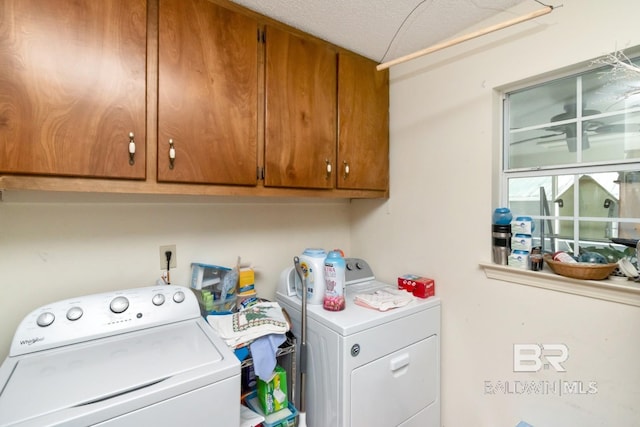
{"points": [[119, 304], [45, 319], [178, 297], [355, 350], [74, 313], [158, 299]]}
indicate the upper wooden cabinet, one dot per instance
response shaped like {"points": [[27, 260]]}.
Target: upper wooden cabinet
{"points": [[363, 117], [327, 116], [300, 112], [73, 87], [208, 94], [219, 100]]}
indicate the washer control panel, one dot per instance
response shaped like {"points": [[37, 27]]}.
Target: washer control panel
{"points": [[357, 270], [95, 316]]}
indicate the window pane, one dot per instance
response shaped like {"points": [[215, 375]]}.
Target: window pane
{"points": [[560, 237], [548, 124], [602, 199], [543, 147], [611, 138], [605, 91], [524, 196], [534, 106], [629, 204]]}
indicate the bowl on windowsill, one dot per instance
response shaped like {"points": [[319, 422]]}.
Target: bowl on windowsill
{"points": [[580, 270]]}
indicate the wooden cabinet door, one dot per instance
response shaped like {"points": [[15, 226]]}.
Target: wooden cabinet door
{"points": [[208, 95], [363, 117], [72, 87], [300, 111]]}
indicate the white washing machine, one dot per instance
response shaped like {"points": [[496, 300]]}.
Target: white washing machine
{"points": [[366, 367], [138, 357]]}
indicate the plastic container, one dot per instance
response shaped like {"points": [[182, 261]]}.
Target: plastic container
{"points": [[334, 278], [312, 262], [287, 419], [502, 216], [209, 306]]}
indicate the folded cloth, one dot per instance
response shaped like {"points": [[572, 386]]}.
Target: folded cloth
{"points": [[384, 299], [241, 328], [263, 352], [248, 418]]}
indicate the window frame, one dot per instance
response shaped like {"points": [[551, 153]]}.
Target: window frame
{"points": [[624, 292], [576, 169]]}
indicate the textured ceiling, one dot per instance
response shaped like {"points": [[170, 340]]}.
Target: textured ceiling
{"points": [[368, 26]]}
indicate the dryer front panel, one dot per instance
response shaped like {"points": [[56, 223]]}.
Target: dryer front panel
{"points": [[396, 387]]}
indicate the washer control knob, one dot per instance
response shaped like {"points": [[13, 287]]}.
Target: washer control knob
{"points": [[355, 350], [158, 299], [119, 304], [45, 319], [349, 266], [178, 297], [74, 313], [358, 266]]}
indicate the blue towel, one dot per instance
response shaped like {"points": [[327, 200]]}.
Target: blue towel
{"points": [[263, 351]]}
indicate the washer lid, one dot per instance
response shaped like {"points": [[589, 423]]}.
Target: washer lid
{"points": [[79, 375]]}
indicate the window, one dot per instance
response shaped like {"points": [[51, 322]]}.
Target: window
{"points": [[571, 159]]}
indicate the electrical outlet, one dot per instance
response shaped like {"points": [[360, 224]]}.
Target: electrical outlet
{"points": [[163, 257]]}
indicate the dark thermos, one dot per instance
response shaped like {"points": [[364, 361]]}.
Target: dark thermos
{"points": [[501, 235]]}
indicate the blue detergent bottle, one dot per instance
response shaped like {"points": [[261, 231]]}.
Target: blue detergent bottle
{"points": [[334, 278]]}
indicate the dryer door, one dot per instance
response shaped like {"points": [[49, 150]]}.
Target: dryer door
{"points": [[390, 390]]}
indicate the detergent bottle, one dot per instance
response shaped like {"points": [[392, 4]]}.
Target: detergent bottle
{"points": [[312, 263], [334, 278]]}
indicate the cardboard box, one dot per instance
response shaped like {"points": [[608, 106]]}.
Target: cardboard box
{"points": [[246, 279], [419, 286], [521, 242], [522, 226], [272, 393], [518, 259]]}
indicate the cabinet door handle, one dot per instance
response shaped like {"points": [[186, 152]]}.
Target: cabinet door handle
{"points": [[329, 168], [346, 169], [172, 154], [132, 149]]}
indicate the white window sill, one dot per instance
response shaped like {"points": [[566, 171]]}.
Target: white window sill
{"points": [[620, 291]]}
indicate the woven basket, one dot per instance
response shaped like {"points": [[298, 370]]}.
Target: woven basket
{"points": [[580, 270]]}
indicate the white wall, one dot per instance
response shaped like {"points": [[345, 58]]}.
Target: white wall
{"points": [[53, 250], [444, 134], [444, 130]]}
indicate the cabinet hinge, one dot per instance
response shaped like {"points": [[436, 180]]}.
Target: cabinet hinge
{"points": [[260, 173], [261, 36]]}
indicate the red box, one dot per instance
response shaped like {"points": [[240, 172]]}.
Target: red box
{"points": [[419, 286]]}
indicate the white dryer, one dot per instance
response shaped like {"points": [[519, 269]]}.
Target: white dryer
{"points": [[366, 367], [138, 357]]}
